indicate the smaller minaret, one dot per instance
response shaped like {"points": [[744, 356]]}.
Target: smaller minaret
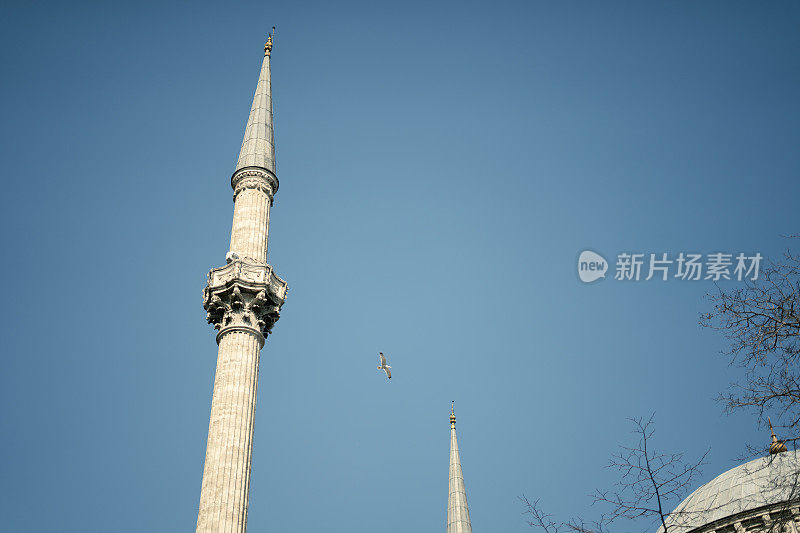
{"points": [[457, 508]]}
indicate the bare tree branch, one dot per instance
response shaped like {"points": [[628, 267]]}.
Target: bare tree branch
{"points": [[650, 483], [762, 322]]}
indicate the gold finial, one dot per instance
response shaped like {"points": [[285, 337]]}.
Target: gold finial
{"points": [[775, 446], [453, 414], [268, 45]]}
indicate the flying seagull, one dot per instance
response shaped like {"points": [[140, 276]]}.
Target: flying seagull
{"points": [[383, 366]]}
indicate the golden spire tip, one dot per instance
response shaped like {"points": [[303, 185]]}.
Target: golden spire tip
{"points": [[775, 446], [268, 45]]}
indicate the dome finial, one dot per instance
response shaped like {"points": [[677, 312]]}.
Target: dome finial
{"points": [[268, 45], [453, 414], [775, 446]]}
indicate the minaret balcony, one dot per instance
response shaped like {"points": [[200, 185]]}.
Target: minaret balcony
{"points": [[244, 296]]}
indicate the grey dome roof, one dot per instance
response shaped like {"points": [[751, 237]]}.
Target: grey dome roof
{"points": [[764, 481]]}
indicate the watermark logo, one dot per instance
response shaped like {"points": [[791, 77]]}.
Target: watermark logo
{"points": [[591, 266], [685, 266]]}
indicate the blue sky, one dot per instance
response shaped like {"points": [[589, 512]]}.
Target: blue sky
{"points": [[441, 167]]}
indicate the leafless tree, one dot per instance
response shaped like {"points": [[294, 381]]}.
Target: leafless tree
{"points": [[544, 521], [762, 322], [761, 319], [650, 485]]}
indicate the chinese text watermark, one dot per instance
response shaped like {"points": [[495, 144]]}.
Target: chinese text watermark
{"points": [[662, 266]]}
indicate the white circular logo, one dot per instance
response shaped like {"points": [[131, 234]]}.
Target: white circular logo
{"points": [[591, 266]]}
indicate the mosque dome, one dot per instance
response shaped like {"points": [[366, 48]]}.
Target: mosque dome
{"points": [[748, 498]]}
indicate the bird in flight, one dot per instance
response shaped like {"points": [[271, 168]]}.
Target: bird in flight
{"points": [[383, 366]]}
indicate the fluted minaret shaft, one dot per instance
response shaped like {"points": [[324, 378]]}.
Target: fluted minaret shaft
{"points": [[226, 476], [243, 301], [251, 225], [457, 508]]}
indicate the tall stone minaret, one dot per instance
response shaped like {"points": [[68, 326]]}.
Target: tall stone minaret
{"points": [[243, 300], [457, 508]]}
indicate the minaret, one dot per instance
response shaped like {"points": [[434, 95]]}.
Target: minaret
{"points": [[243, 301], [457, 508]]}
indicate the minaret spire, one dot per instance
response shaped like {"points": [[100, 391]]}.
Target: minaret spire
{"points": [[258, 145], [243, 301], [255, 171], [457, 508]]}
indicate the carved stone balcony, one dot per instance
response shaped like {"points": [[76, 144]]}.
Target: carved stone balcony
{"points": [[244, 296]]}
